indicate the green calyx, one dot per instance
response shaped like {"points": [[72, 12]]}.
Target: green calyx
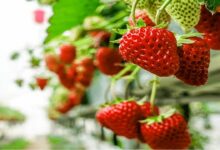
{"points": [[158, 119], [184, 38]]}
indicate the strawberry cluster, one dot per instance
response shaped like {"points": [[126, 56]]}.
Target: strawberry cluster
{"points": [[160, 132], [156, 51], [74, 74]]}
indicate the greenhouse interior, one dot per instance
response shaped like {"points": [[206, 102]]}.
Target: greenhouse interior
{"points": [[110, 75]]}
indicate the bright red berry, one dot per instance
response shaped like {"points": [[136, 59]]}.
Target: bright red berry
{"points": [[109, 60], [52, 62], [84, 70], [171, 133], [142, 14], [194, 62], [67, 53], [121, 118], [210, 25], [152, 49], [146, 110], [41, 82]]}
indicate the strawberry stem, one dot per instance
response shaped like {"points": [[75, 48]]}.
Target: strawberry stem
{"points": [[160, 10], [153, 92], [134, 5], [112, 38]]}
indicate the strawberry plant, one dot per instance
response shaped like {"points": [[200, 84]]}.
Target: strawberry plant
{"points": [[101, 44]]}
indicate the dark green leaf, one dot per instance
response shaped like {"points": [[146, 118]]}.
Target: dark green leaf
{"points": [[212, 4], [69, 13], [19, 82], [14, 56], [35, 62]]}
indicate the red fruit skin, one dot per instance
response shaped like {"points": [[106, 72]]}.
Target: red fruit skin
{"points": [[152, 49], [121, 118], [99, 36], [76, 94], [146, 112], [108, 61], [170, 134], [194, 62], [141, 14], [210, 25], [84, 71], [67, 53], [65, 78], [52, 62], [41, 82]]}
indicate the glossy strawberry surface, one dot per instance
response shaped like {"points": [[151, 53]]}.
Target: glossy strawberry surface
{"points": [[121, 118], [171, 133], [194, 62], [151, 48]]}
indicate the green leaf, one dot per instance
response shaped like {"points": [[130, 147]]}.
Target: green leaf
{"points": [[120, 31], [140, 23], [19, 82], [35, 62], [67, 14], [14, 56], [212, 4]]}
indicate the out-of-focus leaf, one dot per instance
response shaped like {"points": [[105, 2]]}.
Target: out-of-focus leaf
{"points": [[35, 62], [14, 56], [19, 82], [67, 14]]}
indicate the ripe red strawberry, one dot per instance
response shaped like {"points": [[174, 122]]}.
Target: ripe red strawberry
{"points": [[141, 14], [52, 62], [210, 25], [76, 94], [194, 62], [66, 76], [146, 112], [121, 118], [99, 36], [170, 133], [109, 60], [152, 49], [41, 82], [67, 53], [84, 71]]}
